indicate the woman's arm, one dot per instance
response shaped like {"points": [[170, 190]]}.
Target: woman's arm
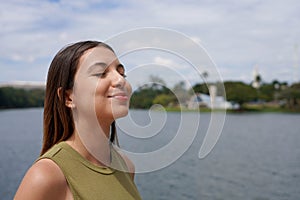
{"points": [[43, 181]]}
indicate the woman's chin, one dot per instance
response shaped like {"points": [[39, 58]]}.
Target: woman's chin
{"points": [[122, 112]]}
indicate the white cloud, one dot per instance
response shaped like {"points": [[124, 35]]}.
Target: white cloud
{"points": [[237, 34], [164, 61], [21, 58]]}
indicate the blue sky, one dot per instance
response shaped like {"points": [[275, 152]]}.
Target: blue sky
{"points": [[238, 35]]}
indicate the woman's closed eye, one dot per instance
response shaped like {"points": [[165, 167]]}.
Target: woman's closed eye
{"points": [[100, 74], [103, 74]]}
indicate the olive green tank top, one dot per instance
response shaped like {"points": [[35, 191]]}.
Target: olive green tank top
{"points": [[91, 182]]}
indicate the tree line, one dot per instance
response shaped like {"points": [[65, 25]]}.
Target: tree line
{"points": [[279, 93], [288, 96], [21, 98]]}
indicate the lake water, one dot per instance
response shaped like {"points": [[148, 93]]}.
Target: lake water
{"points": [[257, 156]]}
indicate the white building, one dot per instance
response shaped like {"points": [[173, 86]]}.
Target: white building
{"points": [[204, 100]]}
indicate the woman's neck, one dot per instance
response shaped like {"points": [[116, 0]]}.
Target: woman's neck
{"points": [[96, 149]]}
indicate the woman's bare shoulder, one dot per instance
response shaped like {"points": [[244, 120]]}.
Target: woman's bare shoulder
{"points": [[44, 180]]}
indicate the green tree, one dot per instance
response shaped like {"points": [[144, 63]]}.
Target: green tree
{"points": [[201, 88], [239, 92], [266, 92], [21, 98], [164, 100], [292, 96], [181, 92]]}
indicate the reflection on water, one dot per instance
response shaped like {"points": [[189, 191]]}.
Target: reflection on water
{"points": [[257, 157]]}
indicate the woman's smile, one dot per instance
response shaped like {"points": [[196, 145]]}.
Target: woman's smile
{"points": [[122, 96]]}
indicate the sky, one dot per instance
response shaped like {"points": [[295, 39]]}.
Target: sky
{"points": [[238, 35]]}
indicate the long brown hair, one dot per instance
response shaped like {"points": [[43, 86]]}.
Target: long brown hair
{"points": [[58, 119]]}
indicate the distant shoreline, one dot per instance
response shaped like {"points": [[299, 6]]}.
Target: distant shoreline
{"points": [[201, 110], [264, 110]]}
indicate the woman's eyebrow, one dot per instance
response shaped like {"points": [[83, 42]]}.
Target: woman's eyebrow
{"points": [[96, 65]]}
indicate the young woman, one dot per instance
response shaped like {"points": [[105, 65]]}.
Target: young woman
{"points": [[86, 91]]}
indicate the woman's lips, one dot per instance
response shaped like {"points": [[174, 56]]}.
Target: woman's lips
{"points": [[119, 96]]}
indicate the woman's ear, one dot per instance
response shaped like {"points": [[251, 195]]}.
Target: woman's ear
{"points": [[68, 97]]}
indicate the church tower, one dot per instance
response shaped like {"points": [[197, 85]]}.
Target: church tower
{"points": [[256, 79]]}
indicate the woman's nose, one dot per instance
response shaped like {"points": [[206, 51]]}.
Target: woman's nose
{"points": [[118, 80]]}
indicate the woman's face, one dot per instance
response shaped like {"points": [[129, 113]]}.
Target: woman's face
{"points": [[100, 86]]}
